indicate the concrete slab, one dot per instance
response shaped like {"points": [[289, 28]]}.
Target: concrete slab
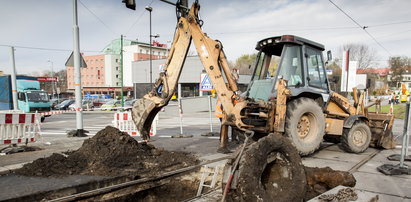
{"points": [[381, 159], [334, 164], [9, 168], [362, 195], [340, 155], [22, 185], [388, 185]]}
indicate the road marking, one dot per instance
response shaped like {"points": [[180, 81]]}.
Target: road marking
{"points": [[169, 136], [213, 137], [95, 127], [109, 124], [54, 122], [52, 133]]}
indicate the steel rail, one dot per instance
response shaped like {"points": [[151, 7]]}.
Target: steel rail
{"points": [[99, 191]]}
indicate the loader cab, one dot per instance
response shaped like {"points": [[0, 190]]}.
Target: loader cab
{"points": [[297, 60]]}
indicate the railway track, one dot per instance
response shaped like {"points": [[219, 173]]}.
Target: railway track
{"points": [[122, 189]]}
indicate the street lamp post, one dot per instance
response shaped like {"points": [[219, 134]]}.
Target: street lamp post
{"points": [[121, 69], [150, 9]]}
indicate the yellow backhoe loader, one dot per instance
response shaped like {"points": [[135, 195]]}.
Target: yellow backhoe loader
{"points": [[292, 106]]}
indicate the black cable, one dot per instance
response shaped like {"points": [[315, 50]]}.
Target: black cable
{"points": [[138, 19], [362, 27], [392, 23], [98, 18], [44, 49]]}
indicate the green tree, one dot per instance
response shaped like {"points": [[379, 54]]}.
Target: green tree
{"points": [[245, 63]]}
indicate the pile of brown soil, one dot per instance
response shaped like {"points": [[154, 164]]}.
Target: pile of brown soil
{"points": [[320, 180], [110, 153]]}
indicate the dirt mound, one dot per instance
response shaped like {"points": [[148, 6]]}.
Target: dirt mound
{"points": [[109, 153], [320, 180]]}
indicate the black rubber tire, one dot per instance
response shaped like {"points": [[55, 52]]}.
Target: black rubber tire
{"points": [[308, 108], [262, 181], [347, 138]]}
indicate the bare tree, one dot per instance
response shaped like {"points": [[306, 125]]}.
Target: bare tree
{"points": [[61, 83], [244, 63], [361, 53], [398, 65]]}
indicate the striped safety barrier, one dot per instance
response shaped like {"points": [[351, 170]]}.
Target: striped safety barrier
{"points": [[19, 127], [124, 122], [53, 112]]}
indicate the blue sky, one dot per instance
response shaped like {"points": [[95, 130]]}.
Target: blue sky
{"points": [[239, 24]]}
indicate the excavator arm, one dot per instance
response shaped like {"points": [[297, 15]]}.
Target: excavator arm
{"points": [[214, 61]]}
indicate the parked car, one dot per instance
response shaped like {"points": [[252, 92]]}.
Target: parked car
{"points": [[111, 105], [128, 105], [98, 102], [87, 105], [64, 105], [54, 102]]}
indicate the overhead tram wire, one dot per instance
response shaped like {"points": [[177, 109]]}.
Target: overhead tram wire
{"points": [[102, 22], [45, 49], [362, 27], [138, 19], [392, 23]]}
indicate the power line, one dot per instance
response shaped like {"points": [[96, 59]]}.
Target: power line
{"points": [[44, 49], [362, 27], [392, 23], [138, 19], [98, 18]]}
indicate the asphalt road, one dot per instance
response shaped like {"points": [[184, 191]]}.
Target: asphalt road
{"points": [[54, 133], [54, 139]]}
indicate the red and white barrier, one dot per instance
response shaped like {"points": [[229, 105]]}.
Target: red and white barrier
{"points": [[18, 127], [124, 122], [53, 112]]}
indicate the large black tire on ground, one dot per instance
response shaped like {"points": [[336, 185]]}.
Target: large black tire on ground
{"points": [[357, 138], [305, 125], [271, 170]]}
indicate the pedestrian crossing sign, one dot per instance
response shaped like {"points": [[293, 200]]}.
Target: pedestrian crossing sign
{"points": [[205, 82]]}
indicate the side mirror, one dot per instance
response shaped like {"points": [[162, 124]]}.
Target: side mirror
{"points": [[329, 56]]}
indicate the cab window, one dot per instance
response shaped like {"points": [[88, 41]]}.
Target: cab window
{"points": [[290, 66], [316, 73]]}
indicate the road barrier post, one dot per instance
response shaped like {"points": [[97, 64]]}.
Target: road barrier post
{"points": [[401, 168], [210, 112]]}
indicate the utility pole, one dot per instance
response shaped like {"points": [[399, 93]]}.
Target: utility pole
{"points": [[121, 72], [13, 79], [77, 72]]}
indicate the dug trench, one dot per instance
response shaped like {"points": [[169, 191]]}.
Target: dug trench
{"points": [[120, 158]]}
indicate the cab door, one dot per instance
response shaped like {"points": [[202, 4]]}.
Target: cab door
{"points": [[316, 74]]}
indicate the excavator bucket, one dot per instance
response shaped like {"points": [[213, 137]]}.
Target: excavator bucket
{"points": [[387, 141], [143, 113], [381, 127]]}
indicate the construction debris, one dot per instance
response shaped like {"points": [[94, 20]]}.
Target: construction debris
{"points": [[320, 180], [109, 153]]}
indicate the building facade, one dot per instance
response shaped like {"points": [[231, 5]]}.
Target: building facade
{"points": [[189, 79], [103, 72]]}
